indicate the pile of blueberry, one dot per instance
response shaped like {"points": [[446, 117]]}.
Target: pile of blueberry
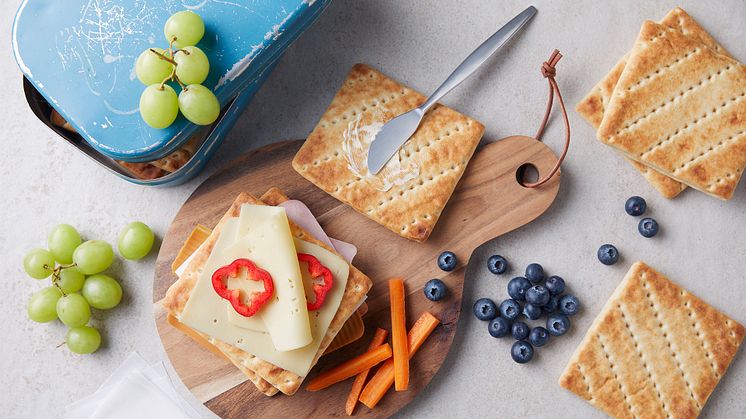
{"points": [[648, 227], [531, 299]]}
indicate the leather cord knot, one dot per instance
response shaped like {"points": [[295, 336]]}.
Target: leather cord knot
{"points": [[549, 72], [547, 69]]}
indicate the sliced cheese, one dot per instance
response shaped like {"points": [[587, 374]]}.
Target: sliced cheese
{"points": [[322, 318], [228, 236], [265, 238], [300, 360], [196, 315]]}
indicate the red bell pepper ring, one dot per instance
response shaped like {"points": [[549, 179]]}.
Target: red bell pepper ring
{"points": [[320, 290], [257, 299]]}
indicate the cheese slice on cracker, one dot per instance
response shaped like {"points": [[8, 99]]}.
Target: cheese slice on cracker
{"points": [[655, 350], [410, 192], [680, 107], [267, 377]]}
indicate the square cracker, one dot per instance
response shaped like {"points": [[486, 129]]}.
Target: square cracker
{"points": [[591, 108], [267, 377], [655, 350], [407, 201], [680, 107]]}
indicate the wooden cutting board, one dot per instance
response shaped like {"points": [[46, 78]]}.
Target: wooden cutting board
{"points": [[488, 202]]}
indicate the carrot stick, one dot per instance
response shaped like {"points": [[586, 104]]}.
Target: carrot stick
{"points": [[349, 368], [357, 386], [384, 377], [399, 334]]}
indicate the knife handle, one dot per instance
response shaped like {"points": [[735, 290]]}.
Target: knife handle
{"points": [[479, 56]]}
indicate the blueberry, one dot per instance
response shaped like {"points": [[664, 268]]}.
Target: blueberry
{"points": [[522, 352], [447, 261], [551, 306], [539, 336], [485, 309], [519, 330], [497, 264], [537, 295], [607, 254], [531, 311], [635, 206], [557, 324], [555, 285], [435, 290], [498, 327], [569, 305], [648, 227], [510, 309], [534, 273], [517, 288]]}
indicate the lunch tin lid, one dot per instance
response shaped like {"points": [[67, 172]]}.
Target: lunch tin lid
{"points": [[80, 55]]}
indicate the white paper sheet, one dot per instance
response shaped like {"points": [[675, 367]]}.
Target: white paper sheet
{"points": [[134, 389]]}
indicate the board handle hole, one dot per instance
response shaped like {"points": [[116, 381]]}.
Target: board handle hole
{"points": [[527, 173]]}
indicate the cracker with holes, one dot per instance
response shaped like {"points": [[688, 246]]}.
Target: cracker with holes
{"points": [[410, 192], [680, 108], [592, 107], [655, 350]]}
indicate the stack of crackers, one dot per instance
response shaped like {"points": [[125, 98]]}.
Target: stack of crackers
{"points": [[267, 377], [410, 192], [655, 350], [675, 106], [154, 169]]}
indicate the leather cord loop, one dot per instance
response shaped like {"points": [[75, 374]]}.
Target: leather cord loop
{"points": [[549, 72]]}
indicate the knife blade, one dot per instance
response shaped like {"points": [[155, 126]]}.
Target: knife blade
{"points": [[398, 130]]}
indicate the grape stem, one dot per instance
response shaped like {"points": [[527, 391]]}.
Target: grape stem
{"points": [[170, 59], [164, 56], [176, 78], [56, 275], [173, 77]]}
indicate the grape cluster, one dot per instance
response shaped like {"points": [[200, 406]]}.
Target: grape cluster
{"points": [[182, 63], [77, 280]]}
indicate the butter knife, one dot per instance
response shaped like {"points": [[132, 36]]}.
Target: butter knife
{"points": [[397, 131]]}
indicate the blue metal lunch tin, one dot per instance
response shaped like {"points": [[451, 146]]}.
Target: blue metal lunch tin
{"points": [[78, 58]]}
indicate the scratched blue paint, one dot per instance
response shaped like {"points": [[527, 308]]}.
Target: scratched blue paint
{"points": [[80, 55]]}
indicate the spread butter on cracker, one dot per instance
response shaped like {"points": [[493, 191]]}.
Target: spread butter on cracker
{"points": [[410, 192]]}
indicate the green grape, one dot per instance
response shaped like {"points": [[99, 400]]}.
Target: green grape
{"points": [[73, 310], [199, 105], [102, 291], [159, 105], [93, 256], [71, 280], [192, 65], [38, 263], [62, 242], [135, 241], [150, 68], [185, 28], [83, 339], [42, 307]]}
